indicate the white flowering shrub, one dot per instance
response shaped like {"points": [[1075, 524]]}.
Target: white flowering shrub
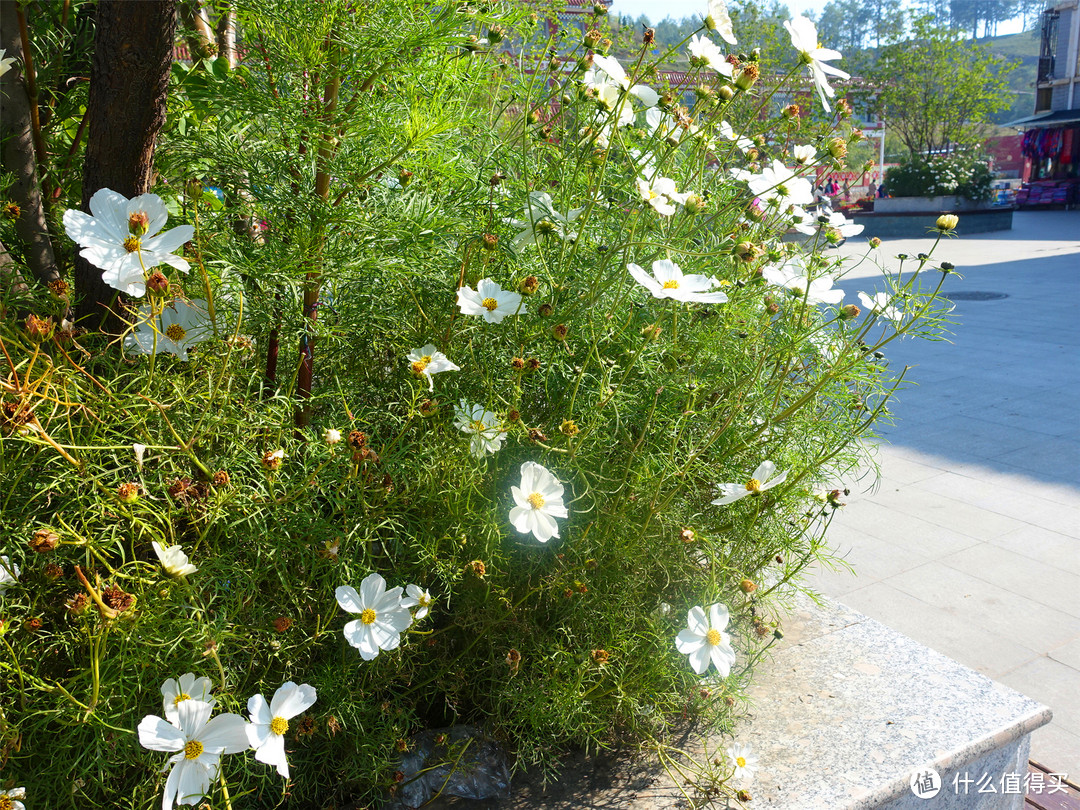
{"points": [[490, 394]]}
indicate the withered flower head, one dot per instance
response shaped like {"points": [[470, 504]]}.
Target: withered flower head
{"points": [[128, 492], [600, 657], [53, 572], [559, 331], [489, 242], [429, 407], [282, 623], [747, 586], [11, 211], [536, 435], [529, 285], [569, 427], [60, 288], [517, 363], [545, 310], [157, 283], [272, 459], [687, 535], [44, 540], [478, 568], [532, 364], [221, 479], [357, 439], [77, 603], [117, 599], [38, 329]]}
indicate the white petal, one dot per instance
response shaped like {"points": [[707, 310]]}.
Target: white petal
{"points": [[259, 711], [224, 734], [348, 599], [296, 700], [156, 734], [272, 752]]}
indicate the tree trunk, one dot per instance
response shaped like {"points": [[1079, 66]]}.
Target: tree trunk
{"points": [[129, 80], [19, 156], [226, 33]]}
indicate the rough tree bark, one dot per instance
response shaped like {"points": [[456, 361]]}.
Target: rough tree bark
{"points": [[129, 80], [20, 157]]}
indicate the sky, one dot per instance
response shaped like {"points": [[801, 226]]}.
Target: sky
{"points": [[657, 10]]}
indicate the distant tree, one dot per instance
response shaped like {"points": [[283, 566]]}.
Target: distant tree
{"points": [[936, 90], [845, 25]]}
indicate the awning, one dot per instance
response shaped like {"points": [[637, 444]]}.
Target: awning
{"points": [[1050, 119]]}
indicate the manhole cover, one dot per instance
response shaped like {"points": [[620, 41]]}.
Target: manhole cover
{"points": [[976, 295]]}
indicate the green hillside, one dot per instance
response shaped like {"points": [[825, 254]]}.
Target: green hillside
{"points": [[1023, 47]]}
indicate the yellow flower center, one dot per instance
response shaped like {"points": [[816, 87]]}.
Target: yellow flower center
{"points": [[193, 749], [753, 485], [536, 500], [740, 761], [671, 285], [418, 367], [490, 304], [181, 698], [368, 616], [175, 332], [423, 600], [132, 243], [478, 425], [713, 637], [279, 725], [6, 803], [782, 189]]}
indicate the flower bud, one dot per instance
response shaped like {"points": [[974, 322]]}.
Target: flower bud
{"points": [[947, 222], [559, 331], [194, 189], [599, 9], [792, 112], [947, 267], [331, 436], [496, 34], [695, 204], [651, 332], [569, 427], [545, 310], [747, 586], [843, 108], [529, 285], [837, 149], [489, 242], [592, 36], [726, 93], [747, 251], [849, 311], [875, 242], [138, 223]]}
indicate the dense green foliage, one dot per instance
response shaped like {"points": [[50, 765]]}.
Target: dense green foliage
{"points": [[369, 166], [960, 173]]}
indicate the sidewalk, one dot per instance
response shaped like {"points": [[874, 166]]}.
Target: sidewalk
{"points": [[970, 540]]}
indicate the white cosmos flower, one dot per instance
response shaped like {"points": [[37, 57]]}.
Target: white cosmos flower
{"points": [[174, 692], [763, 478], [804, 38], [9, 573], [490, 301], [743, 759], [793, 276], [704, 640], [707, 52], [5, 66], [199, 741], [879, 304], [662, 125], [668, 281], [660, 194], [418, 598], [804, 154], [542, 219], [173, 560], [719, 20], [180, 326], [487, 436], [382, 617], [14, 794], [426, 361], [539, 501], [270, 721], [780, 185], [844, 226], [610, 65], [109, 239], [744, 144]]}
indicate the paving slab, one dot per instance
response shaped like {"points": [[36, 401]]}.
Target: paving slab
{"points": [[980, 474]]}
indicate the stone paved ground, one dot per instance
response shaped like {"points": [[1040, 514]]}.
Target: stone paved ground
{"points": [[970, 540]]}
